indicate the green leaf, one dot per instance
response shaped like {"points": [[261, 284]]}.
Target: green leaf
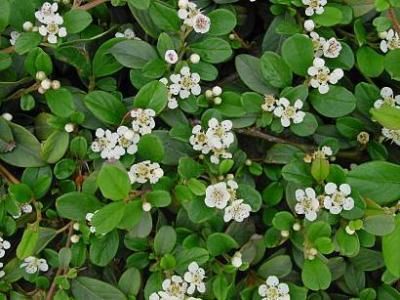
{"points": [[370, 62], [27, 245], [387, 116], [338, 102], [151, 148], [20, 192], [189, 168], [349, 245], [164, 241], [130, 281], [377, 180], [113, 182], [307, 127], [231, 105], [105, 107], [221, 287], [76, 20], [391, 249], [27, 41], [222, 20], [391, 64], [164, 17], [159, 198], [4, 14], [133, 53], [84, 288], [220, 243], [279, 266], [298, 172], [316, 275], [153, 95], [60, 102], [379, 225], [55, 146], [251, 196], [75, 205], [298, 53], [104, 63], [103, 248], [108, 217], [320, 169], [38, 60], [275, 71], [185, 256], [212, 50], [140, 4], [27, 149], [330, 17], [249, 70]]}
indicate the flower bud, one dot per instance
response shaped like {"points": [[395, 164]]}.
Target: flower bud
{"points": [[69, 127], [309, 25], [296, 226], [55, 84], [40, 75], [209, 94], [76, 226], [217, 100], [363, 137], [7, 116], [194, 58], [75, 238], [285, 233], [146, 206], [217, 91], [46, 84], [27, 26]]}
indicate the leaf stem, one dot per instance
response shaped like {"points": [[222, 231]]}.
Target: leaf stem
{"points": [[92, 4], [7, 175], [392, 17]]}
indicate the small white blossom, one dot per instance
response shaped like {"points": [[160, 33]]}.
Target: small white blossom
{"points": [[321, 76], [199, 140], [4, 245], [185, 83], [27, 26], [332, 48], [307, 203], [143, 120], [237, 210], [32, 265], [217, 154], [89, 217], [217, 195], [105, 144], [14, 35], [289, 113], [217, 91], [194, 58], [391, 41], [146, 206], [338, 199], [75, 238], [52, 31], [237, 259], [201, 23], [388, 98], [128, 139], [192, 17], [26, 208], [309, 25], [269, 104], [145, 171], [174, 288], [274, 290], [69, 127], [318, 43], [195, 278], [7, 116], [314, 6], [171, 57], [392, 134], [219, 134], [128, 34], [48, 14]]}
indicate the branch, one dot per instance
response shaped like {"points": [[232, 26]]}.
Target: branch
{"points": [[7, 175], [393, 19], [92, 4], [10, 49]]}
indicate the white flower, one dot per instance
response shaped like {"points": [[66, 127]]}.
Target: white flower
{"points": [[187, 11], [105, 143], [331, 48], [307, 203], [318, 43], [269, 104], [338, 199], [201, 23], [185, 83], [26, 208], [309, 25], [27, 26], [273, 290], [392, 134], [390, 41], [289, 113], [314, 6], [194, 277], [128, 139], [51, 31], [174, 288], [4, 245], [217, 91], [237, 259], [14, 35], [171, 57], [219, 134], [218, 153], [321, 76], [145, 171], [217, 195], [143, 120], [33, 264], [237, 210], [128, 34], [7, 116], [194, 58], [69, 127], [199, 140], [48, 14], [146, 206], [387, 98]]}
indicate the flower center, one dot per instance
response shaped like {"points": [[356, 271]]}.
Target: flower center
{"points": [[272, 293], [52, 28], [187, 82], [338, 198]]}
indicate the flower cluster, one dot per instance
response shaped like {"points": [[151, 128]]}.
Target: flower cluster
{"points": [[388, 98], [45, 83], [113, 145], [216, 139], [33, 264], [330, 48], [283, 109], [89, 218], [223, 195], [314, 7], [51, 22], [184, 84], [128, 34], [273, 289], [324, 153], [334, 199], [177, 287], [192, 16], [145, 171], [321, 76], [390, 40]]}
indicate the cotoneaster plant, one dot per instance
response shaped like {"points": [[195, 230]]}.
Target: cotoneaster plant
{"points": [[209, 149]]}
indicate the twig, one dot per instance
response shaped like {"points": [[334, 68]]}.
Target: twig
{"points": [[10, 49], [92, 4], [393, 18], [7, 175]]}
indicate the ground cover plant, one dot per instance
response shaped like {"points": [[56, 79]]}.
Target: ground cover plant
{"points": [[209, 149]]}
